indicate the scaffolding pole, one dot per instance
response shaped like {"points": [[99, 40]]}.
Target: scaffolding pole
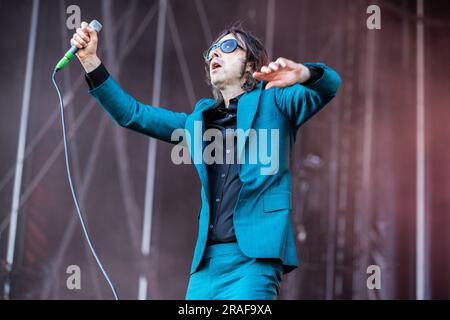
{"points": [[151, 162], [21, 144], [421, 261]]}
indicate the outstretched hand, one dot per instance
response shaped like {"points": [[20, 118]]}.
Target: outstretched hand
{"points": [[282, 73]]}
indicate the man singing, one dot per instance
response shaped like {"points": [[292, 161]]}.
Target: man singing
{"points": [[245, 240]]}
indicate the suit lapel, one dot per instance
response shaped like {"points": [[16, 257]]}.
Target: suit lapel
{"points": [[195, 125], [247, 107]]}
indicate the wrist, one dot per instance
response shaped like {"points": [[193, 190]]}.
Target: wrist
{"points": [[90, 63], [305, 73]]}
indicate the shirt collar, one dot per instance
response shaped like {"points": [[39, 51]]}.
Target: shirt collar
{"points": [[237, 97], [232, 101], [221, 105]]}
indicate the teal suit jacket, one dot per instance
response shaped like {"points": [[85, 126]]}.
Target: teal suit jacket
{"points": [[262, 216]]}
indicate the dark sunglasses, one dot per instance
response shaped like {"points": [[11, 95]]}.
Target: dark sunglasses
{"points": [[227, 46]]}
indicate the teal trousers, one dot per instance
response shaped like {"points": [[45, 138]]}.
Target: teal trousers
{"points": [[226, 273]]}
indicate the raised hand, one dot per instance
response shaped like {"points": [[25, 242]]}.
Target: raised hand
{"points": [[86, 39], [282, 73]]}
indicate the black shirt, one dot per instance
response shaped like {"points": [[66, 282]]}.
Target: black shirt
{"points": [[224, 182]]}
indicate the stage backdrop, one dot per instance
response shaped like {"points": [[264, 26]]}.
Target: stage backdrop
{"points": [[355, 166]]}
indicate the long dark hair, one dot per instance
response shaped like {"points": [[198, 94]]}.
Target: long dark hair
{"points": [[256, 55]]}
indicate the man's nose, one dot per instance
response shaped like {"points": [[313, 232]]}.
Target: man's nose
{"points": [[216, 53]]}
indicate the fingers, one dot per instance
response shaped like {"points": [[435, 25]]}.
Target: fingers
{"points": [[83, 35], [262, 76], [75, 43], [79, 40], [279, 73], [259, 75], [274, 84], [265, 70], [282, 62], [274, 66], [286, 63], [276, 72], [271, 81], [88, 30], [277, 65]]}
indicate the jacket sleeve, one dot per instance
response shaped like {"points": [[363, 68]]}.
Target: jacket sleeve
{"points": [[300, 102], [129, 113]]}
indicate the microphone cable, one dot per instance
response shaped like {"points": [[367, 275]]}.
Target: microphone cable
{"points": [[75, 200]]}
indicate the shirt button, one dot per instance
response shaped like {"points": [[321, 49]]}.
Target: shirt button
{"points": [[228, 150], [218, 199], [223, 175], [211, 226]]}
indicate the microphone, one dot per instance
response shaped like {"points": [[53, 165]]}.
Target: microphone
{"points": [[94, 24]]}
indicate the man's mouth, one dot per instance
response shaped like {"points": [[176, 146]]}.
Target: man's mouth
{"points": [[215, 65]]}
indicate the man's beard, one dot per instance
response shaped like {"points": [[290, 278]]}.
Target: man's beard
{"points": [[223, 83]]}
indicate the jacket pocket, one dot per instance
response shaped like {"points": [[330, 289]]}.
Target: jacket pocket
{"points": [[277, 201]]}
